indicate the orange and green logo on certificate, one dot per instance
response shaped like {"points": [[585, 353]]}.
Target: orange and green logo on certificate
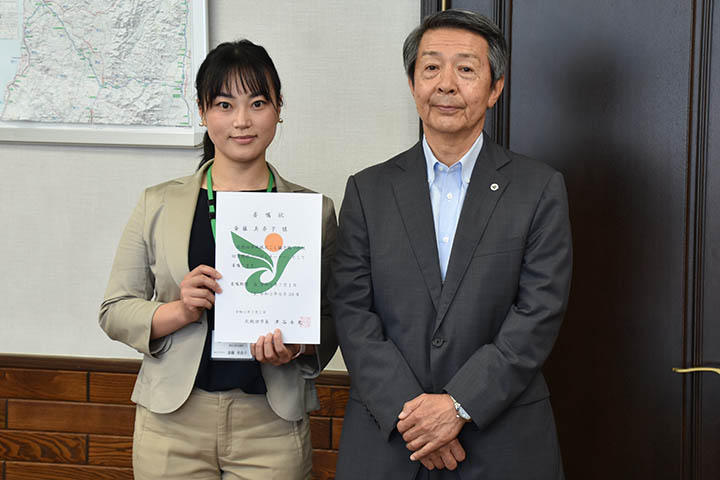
{"points": [[255, 258]]}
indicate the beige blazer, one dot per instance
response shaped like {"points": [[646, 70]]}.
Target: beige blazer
{"points": [[150, 263]]}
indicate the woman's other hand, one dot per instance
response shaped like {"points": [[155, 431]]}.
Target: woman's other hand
{"points": [[197, 293], [271, 349]]}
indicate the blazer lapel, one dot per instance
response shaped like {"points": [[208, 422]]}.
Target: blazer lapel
{"points": [[283, 185], [413, 199], [480, 201], [180, 203]]}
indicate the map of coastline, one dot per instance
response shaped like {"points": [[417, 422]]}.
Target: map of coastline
{"points": [[105, 62]]}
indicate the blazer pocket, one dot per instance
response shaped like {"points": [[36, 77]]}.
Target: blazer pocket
{"points": [[160, 345], [536, 391], [499, 245], [353, 398]]}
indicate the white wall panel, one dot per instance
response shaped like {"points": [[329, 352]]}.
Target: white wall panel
{"points": [[62, 208]]}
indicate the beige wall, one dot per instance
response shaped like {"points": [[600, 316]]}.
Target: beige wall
{"points": [[62, 208]]}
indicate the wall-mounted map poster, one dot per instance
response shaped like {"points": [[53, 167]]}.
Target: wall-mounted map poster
{"points": [[101, 71]]}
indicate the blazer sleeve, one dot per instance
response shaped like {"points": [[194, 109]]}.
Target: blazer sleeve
{"points": [[127, 310], [497, 373], [379, 370], [312, 366]]}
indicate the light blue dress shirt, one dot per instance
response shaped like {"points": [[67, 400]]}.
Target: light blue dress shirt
{"points": [[448, 187]]}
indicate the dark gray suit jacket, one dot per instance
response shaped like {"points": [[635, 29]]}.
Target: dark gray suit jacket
{"points": [[481, 336]]}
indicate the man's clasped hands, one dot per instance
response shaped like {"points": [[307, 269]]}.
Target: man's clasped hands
{"points": [[429, 425]]}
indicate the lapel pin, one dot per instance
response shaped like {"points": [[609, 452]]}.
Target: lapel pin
{"points": [[494, 187]]}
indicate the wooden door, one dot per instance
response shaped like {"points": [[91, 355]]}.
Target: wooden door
{"points": [[623, 98]]}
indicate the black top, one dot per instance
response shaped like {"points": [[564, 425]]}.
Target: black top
{"points": [[217, 375]]}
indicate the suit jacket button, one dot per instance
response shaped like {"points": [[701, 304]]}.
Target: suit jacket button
{"points": [[437, 342]]}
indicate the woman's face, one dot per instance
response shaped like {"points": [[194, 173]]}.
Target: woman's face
{"points": [[241, 124]]}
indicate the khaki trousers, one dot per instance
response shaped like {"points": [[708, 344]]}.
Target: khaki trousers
{"points": [[221, 435]]}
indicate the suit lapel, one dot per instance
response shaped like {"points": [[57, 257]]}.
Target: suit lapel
{"points": [[412, 195], [477, 209], [180, 203]]}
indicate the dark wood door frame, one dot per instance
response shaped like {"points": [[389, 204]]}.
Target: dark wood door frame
{"points": [[701, 322]]}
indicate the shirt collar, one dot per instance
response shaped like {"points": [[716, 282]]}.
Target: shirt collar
{"points": [[467, 162]]}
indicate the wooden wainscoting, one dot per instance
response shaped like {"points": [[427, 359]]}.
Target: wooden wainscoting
{"points": [[69, 418]]}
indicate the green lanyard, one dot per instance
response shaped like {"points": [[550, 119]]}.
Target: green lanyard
{"points": [[211, 197]]}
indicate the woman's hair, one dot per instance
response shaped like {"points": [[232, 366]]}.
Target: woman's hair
{"points": [[232, 62]]}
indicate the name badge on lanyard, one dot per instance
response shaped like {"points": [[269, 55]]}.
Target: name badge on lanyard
{"points": [[230, 351]]}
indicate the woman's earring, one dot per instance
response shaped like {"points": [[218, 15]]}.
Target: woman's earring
{"points": [[202, 122], [280, 120]]}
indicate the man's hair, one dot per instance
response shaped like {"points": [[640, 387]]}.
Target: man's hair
{"points": [[462, 20]]}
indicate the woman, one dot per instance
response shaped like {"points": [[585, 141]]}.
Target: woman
{"points": [[199, 417]]}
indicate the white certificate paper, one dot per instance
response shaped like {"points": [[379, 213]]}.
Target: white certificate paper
{"points": [[268, 250]]}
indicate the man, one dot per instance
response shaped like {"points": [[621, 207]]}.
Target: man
{"points": [[451, 279]]}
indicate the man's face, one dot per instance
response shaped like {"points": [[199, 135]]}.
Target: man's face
{"points": [[453, 85]]}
